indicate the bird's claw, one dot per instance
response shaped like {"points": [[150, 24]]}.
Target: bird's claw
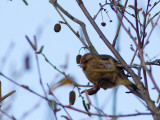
{"points": [[91, 91]]}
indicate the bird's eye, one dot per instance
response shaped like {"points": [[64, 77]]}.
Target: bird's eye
{"points": [[86, 61]]}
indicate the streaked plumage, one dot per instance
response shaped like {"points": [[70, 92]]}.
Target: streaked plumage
{"points": [[104, 72]]}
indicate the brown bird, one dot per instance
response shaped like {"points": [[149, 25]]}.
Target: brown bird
{"points": [[105, 72]]}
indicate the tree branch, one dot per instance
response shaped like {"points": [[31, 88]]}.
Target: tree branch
{"points": [[143, 91], [83, 26]]}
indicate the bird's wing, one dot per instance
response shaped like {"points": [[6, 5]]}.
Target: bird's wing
{"points": [[107, 57]]}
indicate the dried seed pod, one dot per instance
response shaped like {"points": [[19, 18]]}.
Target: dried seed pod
{"points": [[57, 27], [78, 58], [103, 24], [72, 97]]}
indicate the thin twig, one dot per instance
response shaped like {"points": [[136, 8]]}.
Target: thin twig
{"points": [[105, 115], [145, 79], [34, 47], [0, 91], [46, 59], [7, 95], [128, 31], [59, 102], [63, 73], [151, 31], [156, 3], [120, 23], [101, 8], [149, 73], [76, 84], [119, 11], [137, 25], [11, 117], [134, 56], [144, 23], [39, 73], [91, 47], [22, 86], [31, 44]]}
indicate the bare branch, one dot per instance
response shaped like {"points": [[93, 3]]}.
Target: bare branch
{"points": [[91, 47], [137, 25], [120, 23], [147, 99], [11, 117]]}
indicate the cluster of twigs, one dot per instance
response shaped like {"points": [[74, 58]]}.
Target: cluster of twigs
{"points": [[141, 40], [55, 103]]}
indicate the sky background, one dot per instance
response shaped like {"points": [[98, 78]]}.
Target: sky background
{"points": [[39, 18]]}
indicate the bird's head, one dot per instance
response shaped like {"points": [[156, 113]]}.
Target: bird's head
{"points": [[85, 59]]}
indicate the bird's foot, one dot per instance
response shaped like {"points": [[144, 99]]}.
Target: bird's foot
{"points": [[92, 91]]}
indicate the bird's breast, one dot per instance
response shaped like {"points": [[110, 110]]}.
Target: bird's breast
{"points": [[92, 76]]}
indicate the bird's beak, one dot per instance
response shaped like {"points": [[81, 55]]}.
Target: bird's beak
{"points": [[83, 65]]}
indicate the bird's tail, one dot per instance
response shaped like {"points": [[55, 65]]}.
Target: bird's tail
{"points": [[131, 86], [134, 91]]}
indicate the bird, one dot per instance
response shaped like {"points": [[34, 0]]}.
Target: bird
{"points": [[104, 71]]}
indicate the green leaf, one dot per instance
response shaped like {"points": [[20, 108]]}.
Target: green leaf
{"points": [[85, 107]]}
